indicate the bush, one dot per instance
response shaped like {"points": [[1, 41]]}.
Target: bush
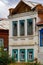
{"points": [[5, 58]]}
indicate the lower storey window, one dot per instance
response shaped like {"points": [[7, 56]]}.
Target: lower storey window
{"points": [[15, 54], [23, 54], [30, 54]]}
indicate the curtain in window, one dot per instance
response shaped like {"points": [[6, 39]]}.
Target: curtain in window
{"points": [[30, 54], [22, 54]]}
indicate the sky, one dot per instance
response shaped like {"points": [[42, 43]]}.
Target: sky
{"points": [[6, 4]]}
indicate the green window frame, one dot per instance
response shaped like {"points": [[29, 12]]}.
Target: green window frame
{"points": [[29, 26], [22, 55], [22, 27], [30, 55], [15, 54], [14, 28]]}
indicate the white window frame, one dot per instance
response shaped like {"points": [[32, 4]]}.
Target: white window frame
{"points": [[1, 44]]}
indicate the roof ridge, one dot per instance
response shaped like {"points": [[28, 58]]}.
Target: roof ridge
{"points": [[31, 2]]}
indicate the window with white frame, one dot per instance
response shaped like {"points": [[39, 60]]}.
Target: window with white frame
{"points": [[14, 28], [29, 26], [22, 27], [1, 42]]}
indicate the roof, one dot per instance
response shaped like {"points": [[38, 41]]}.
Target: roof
{"points": [[39, 23], [30, 3], [4, 24], [2, 19]]}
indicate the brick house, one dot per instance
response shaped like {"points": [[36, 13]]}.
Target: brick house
{"points": [[4, 36], [4, 33]]}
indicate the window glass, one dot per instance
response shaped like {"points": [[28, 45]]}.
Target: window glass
{"points": [[29, 26], [41, 38], [1, 42], [14, 28], [30, 54], [22, 55], [22, 27], [15, 54]]}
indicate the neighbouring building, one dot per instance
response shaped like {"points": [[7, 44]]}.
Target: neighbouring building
{"points": [[4, 38], [39, 25], [23, 36], [40, 37], [4, 33]]}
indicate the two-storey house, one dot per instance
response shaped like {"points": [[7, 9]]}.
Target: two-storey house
{"points": [[23, 38]]}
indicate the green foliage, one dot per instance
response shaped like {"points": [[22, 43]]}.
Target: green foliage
{"points": [[4, 57]]}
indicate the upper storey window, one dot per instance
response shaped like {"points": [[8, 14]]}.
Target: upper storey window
{"points": [[29, 26], [14, 28], [22, 27]]}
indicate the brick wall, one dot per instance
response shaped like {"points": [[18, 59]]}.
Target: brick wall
{"points": [[4, 34]]}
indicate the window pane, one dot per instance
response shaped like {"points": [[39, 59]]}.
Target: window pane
{"points": [[30, 54], [1, 42], [22, 28], [15, 54], [22, 54], [29, 26], [14, 28]]}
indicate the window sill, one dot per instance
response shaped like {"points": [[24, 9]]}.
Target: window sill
{"points": [[28, 36]]}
